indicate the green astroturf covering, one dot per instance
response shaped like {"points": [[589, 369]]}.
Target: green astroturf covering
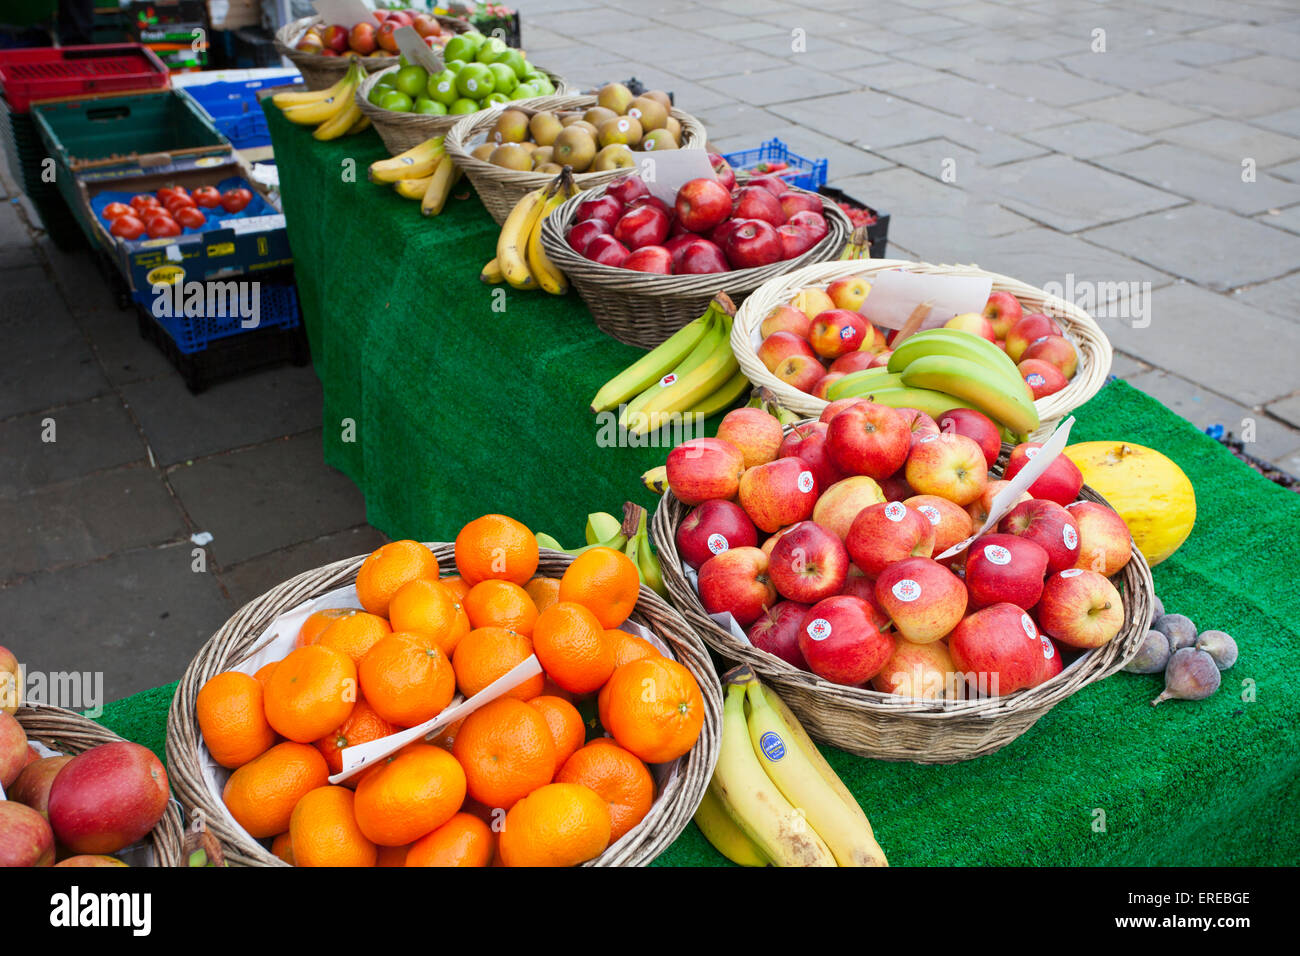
{"points": [[462, 410]]}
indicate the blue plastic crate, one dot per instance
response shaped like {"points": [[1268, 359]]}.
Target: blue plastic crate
{"points": [[277, 309], [234, 109], [812, 177]]}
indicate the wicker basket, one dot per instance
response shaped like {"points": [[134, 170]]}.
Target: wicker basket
{"points": [[236, 640], [70, 733], [890, 727], [1093, 346], [501, 189], [320, 72], [643, 309], [402, 131]]}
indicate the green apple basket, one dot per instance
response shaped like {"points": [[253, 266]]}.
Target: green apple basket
{"points": [[889, 726], [1080, 328]]}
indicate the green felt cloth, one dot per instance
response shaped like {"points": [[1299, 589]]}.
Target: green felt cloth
{"points": [[461, 410]]}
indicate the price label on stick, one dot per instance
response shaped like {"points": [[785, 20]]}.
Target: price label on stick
{"points": [[412, 46], [895, 293], [667, 171], [345, 13]]}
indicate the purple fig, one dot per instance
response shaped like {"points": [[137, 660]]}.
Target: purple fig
{"points": [[1157, 609], [1179, 629], [1152, 656], [1220, 646], [1191, 675]]}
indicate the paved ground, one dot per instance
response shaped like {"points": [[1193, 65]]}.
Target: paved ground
{"points": [[998, 133]]}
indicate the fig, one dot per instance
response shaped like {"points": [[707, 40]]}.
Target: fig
{"points": [[1220, 646], [1157, 609], [1152, 656], [1191, 675], [1179, 629]]}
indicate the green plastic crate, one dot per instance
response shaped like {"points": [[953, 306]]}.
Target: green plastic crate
{"points": [[25, 151]]}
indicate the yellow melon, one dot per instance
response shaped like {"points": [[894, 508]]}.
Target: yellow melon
{"points": [[1151, 493]]}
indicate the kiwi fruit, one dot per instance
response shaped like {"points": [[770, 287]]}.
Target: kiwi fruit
{"points": [[620, 129], [511, 156], [574, 147], [661, 96], [483, 151], [544, 127], [542, 154], [511, 127], [674, 126], [569, 118], [651, 113], [590, 128], [597, 115], [658, 139], [616, 97], [548, 168], [614, 156]]}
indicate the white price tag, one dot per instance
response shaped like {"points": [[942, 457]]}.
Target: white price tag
{"points": [[895, 294], [669, 170], [413, 47], [345, 13]]}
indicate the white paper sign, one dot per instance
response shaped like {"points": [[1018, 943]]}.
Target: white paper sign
{"points": [[412, 46], [666, 171], [345, 13], [895, 294]]}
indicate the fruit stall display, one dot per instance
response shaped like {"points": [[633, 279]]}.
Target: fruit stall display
{"points": [[585, 730], [1027, 360]]}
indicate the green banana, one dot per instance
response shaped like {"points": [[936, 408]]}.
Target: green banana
{"points": [[983, 387], [601, 526], [699, 382], [638, 549], [546, 541], [933, 403], [705, 347], [724, 397], [724, 833], [958, 344], [860, 383], [651, 367]]}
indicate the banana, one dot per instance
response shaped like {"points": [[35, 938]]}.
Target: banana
{"points": [[638, 549], [858, 246], [856, 384], [849, 838], [359, 125], [933, 403], [980, 385], [780, 832], [340, 123], [651, 367], [514, 234], [726, 396], [546, 541], [958, 344], [656, 479], [491, 273], [550, 278], [314, 114], [704, 346], [699, 382], [412, 188], [724, 833], [291, 98], [418, 162], [444, 177], [601, 526]]}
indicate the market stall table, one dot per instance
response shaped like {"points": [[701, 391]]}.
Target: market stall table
{"points": [[459, 409]]}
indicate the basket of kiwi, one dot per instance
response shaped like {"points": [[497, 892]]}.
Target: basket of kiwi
{"points": [[408, 105], [510, 151]]}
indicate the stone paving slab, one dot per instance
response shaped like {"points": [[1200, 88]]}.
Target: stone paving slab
{"points": [[960, 97], [1046, 84], [1288, 219], [1197, 52], [1208, 179], [1275, 70], [123, 355], [1288, 410], [253, 578], [1126, 68], [1284, 121], [1088, 139], [1233, 140], [1217, 92], [1139, 113], [779, 84], [1281, 296], [87, 437]]}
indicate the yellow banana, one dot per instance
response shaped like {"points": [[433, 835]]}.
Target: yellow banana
{"points": [[412, 188], [444, 177], [339, 125], [359, 125], [639, 551], [601, 526], [724, 833], [656, 479], [550, 278], [290, 98], [981, 385], [651, 367], [416, 163], [514, 234], [314, 114], [491, 273]]}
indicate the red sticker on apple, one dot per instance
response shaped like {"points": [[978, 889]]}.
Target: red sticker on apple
{"points": [[997, 554], [819, 629], [1027, 623], [805, 481], [906, 590], [1072, 573], [1036, 379], [846, 333], [931, 512], [1070, 536], [717, 543], [895, 511]]}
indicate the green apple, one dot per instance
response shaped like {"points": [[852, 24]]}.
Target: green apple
{"points": [[463, 106], [515, 60], [492, 99], [397, 101], [523, 91], [543, 83], [429, 107], [377, 94], [491, 49], [475, 81], [463, 46], [504, 78], [386, 80], [411, 80], [442, 88]]}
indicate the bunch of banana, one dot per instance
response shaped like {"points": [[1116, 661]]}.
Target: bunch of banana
{"points": [[424, 173], [334, 111], [629, 535], [858, 246], [773, 799], [941, 369], [520, 259], [765, 399]]}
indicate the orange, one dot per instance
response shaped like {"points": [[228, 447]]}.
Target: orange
{"points": [[282, 847], [560, 824], [232, 720], [392, 855], [496, 547], [310, 693], [501, 604], [570, 643], [488, 652], [318, 623], [324, 832], [567, 728], [464, 840], [264, 673], [543, 591], [405, 681], [418, 790], [457, 585], [355, 634], [430, 610], [629, 647], [388, 568], [620, 778], [507, 751], [262, 793], [654, 708], [604, 581], [362, 726]]}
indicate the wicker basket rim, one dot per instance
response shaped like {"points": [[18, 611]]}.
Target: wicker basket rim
{"points": [[434, 123], [291, 32]]}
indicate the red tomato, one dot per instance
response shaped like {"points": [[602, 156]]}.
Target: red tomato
{"points": [[115, 209], [178, 202], [190, 217], [235, 200], [141, 200], [127, 226], [153, 212], [165, 194], [160, 226], [207, 197]]}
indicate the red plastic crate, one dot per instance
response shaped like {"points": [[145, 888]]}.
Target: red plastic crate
{"points": [[49, 73]]}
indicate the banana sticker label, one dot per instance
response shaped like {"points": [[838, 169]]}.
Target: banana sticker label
{"points": [[772, 745]]}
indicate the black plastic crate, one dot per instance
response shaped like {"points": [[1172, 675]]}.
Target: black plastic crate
{"points": [[254, 46], [877, 232]]}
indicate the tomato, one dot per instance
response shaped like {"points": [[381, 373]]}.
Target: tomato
{"points": [[151, 213], [235, 200], [207, 197], [178, 202], [115, 209], [141, 200], [160, 226], [165, 194], [127, 226], [190, 217]]}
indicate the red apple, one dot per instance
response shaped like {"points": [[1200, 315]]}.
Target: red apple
{"points": [[384, 35], [652, 201], [1051, 663], [702, 204], [425, 25], [335, 37], [755, 202], [841, 642], [919, 423], [401, 17], [785, 318], [1027, 330], [778, 493], [822, 384], [736, 582], [771, 541], [1055, 350], [774, 184], [948, 465], [607, 251], [922, 671], [808, 563], [779, 346], [812, 224], [1080, 608], [726, 175], [11, 681], [848, 293], [756, 433], [895, 487], [711, 528], [869, 439], [751, 243], [881, 358], [1060, 482], [108, 797], [835, 407], [1105, 544], [811, 301], [981, 507], [808, 442], [703, 468], [655, 259], [801, 372], [700, 257], [974, 323], [643, 225], [13, 749], [976, 425], [580, 236], [627, 188], [794, 241], [952, 523], [836, 332], [605, 208], [793, 202], [1003, 568], [1048, 524], [1003, 311], [843, 501], [854, 362], [997, 650], [884, 533], [858, 585], [361, 38], [32, 787], [1043, 378], [25, 836], [777, 632], [923, 598]]}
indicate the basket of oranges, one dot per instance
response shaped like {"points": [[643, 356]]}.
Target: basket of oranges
{"points": [[516, 705]]}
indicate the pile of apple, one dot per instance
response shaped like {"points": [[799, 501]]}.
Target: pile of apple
{"points": [[821, 335], [372, 39], [826, 545], [711, 227]]}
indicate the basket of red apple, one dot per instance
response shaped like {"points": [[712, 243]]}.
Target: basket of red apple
{"points": [[647, 259], [1026, 360], [912, 594], [321, 51], [78, 792]]}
